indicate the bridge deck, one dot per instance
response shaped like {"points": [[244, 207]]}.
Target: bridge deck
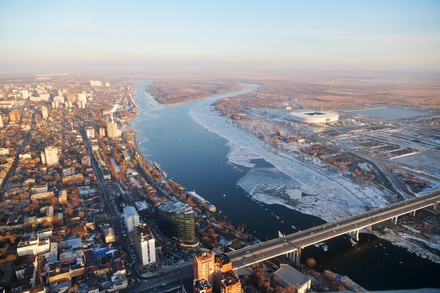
{"points": [[296, 241]]}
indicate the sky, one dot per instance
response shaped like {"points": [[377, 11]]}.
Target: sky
{"points": [[140, 36]]}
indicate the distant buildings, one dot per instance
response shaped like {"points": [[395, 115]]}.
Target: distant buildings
{"points": [[90, 132], [1, 121], [50, 156], [85, 161], [95, 83], [101, 131], [145, 244], [176, 220], [131, 218], [25, 94], [314, 117], [82, 101], [14, 116], [44, 112], [112, 130]]}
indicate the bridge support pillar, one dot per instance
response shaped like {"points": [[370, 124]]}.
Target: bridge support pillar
{"points": [[354, 235], [291, 256], [413, 213], [298, 257], [395, 220], [295, 256], [434, 206]]}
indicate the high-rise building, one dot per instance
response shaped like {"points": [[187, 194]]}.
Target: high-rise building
{"points": [[112, 130], [51, 156], [131, 218], [82, 98], [25, 94], [14, 116], [85, 161], [1, 121], [70, 97], [222, 265], [215, 270], [44, 112], [101, 131], [202, 286], [90, 132], [203, 266], [176, 220], [230, 283], [145, 244], [95, 83], [59, 99]]}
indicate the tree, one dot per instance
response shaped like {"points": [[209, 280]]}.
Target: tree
{"points": [[68, 210], [74, 289], [311, 262], [32, 207], [11, 257]]}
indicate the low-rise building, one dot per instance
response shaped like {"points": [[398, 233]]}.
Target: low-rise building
{"points": [[109, 235], [32, 245], [288, 276]]}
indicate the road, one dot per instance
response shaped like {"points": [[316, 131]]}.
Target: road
{"points": [[165, 282]]}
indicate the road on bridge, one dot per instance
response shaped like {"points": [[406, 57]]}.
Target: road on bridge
{"points": [[351, 225]]}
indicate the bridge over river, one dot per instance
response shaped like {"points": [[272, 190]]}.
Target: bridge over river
{"points": [[293, 243]]}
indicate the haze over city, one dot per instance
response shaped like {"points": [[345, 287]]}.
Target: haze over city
{"points": [[138, 36], [219, 146]]}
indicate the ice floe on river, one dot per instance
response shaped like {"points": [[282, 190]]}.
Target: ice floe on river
{"points": [[326, 193]]}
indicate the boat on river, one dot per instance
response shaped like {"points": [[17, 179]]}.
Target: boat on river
{"points": [[207, 205]]}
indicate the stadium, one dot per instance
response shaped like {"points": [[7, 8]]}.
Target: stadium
{"points": [[314, 117]]}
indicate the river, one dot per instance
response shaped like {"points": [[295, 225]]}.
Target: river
{"points": [[198, 160]]}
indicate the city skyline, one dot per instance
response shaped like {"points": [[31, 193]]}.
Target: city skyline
{"points": [[136, 36]]}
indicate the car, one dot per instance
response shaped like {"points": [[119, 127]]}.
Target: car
{"points": [[247, 251]]}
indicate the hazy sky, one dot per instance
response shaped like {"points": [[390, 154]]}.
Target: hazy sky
{"points": [[64, 36]]}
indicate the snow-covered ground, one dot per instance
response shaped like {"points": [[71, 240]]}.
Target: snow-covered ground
{"points": [[325, 193]]}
